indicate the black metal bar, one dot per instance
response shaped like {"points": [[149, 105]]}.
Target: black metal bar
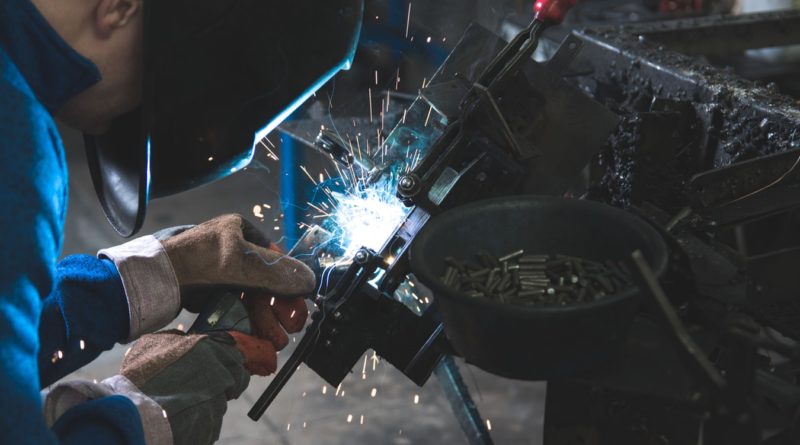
{"points": [[694, 357], [300, 353]]}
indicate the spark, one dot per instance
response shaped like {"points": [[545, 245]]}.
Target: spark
{"points": [[362, 420], [416, 399], [322, 212], [375, 360], [164, 413], [373, 393], [408, 19], [369, 92], [272, 301], [488, 424], [257, 212], [302, 167], [349, 418], [82, 345], [324, 389], [271, 153], [180, 326]]}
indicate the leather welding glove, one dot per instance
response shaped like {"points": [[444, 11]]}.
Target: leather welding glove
{"points": [[185, 266], [180, 383], [192, 377]]}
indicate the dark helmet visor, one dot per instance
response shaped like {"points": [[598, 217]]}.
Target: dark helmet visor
{"points": [[219, 75]]}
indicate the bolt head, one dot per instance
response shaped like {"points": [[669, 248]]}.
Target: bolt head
{"points": [[406, 182], [361, 257]]}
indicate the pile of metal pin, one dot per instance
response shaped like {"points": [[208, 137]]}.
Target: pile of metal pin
{"points": [[535, 280]]}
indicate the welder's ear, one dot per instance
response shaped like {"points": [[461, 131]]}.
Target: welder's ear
{"points": [[113, 14]]}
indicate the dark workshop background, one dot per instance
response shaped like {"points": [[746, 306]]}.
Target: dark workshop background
{"points": [[384, 408]]}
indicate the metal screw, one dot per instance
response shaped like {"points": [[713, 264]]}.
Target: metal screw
{"points": [[361, 257], [407, 183]]}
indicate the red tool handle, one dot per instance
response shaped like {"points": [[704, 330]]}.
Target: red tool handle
{"points": [[552, 12]]}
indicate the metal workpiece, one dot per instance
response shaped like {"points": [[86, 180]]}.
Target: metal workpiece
{"points": [[721, 34], [683, 117], [637, 116], [500, 140], [353, 318]]}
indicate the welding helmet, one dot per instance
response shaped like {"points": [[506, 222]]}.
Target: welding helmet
{"points": [[218, 76]]}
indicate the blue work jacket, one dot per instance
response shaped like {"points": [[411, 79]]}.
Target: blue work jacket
{"points": [[54, 316]]}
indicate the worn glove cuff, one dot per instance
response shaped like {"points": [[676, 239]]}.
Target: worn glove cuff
{"points": [[149, 281], [62, 397]]}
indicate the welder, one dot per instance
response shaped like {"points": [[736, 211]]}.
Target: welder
{"points": [[170, 94]]}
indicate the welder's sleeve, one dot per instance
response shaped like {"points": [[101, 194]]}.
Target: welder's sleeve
{"points": [[33, 199], [85, 314]]}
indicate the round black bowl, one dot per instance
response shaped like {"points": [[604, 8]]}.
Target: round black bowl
{"points": [[526, 342]]}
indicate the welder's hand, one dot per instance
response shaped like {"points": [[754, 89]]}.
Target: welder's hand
{"points": [[185, 266], [180, 383], [192, 377], [228, 252], [271, 318]]}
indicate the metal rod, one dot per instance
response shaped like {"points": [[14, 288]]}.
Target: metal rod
{"points": [[457, 393], [300, 353]]}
